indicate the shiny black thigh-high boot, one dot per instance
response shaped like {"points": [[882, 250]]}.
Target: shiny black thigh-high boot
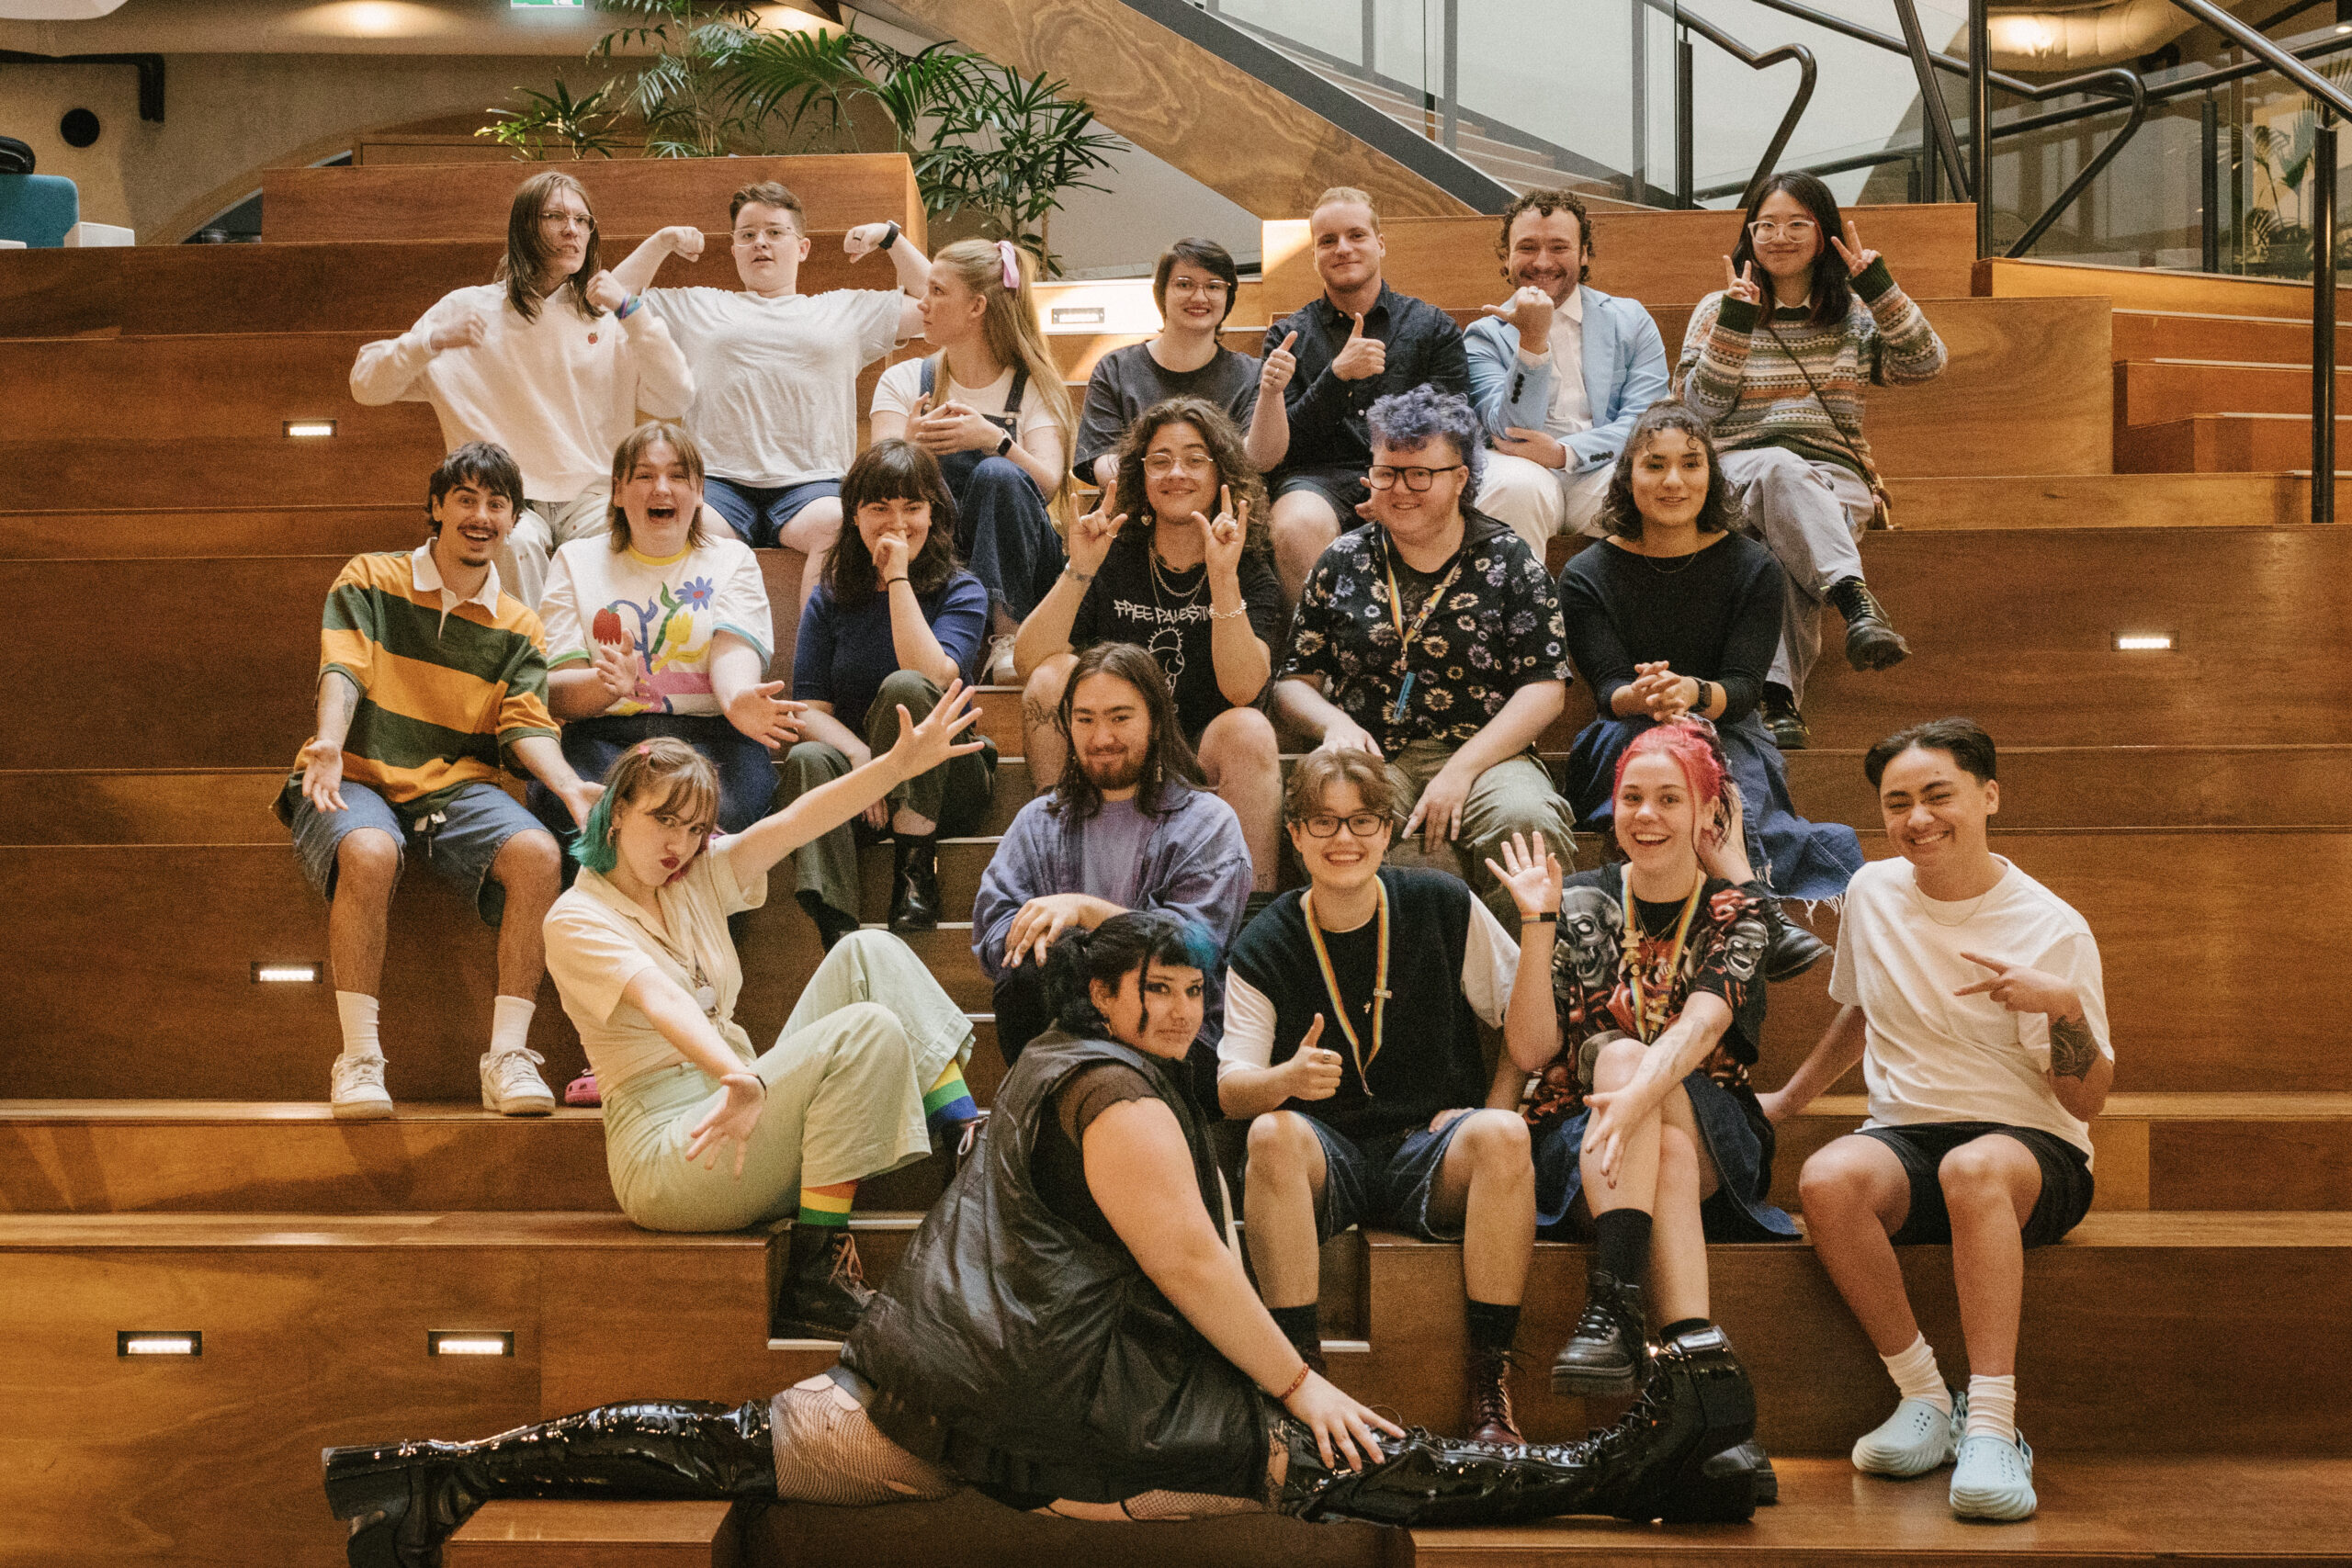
{"points": [[1661, 1461], [405, 1499]]}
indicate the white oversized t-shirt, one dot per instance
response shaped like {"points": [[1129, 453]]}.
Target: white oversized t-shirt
{"points": [[1931, 1056], [901, 384], [666, 610], [775, 380]]}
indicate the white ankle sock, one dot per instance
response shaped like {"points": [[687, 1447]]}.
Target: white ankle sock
{"points": [[1915, 1374], [1993, 1407], [510, 1025], [357, 1014]]}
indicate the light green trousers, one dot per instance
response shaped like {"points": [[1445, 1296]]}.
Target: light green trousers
{"points": [[1515, 795], [845, 1081]]}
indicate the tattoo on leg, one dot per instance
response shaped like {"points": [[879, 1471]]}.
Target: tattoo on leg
{"points": [[1038, 713], [2072, 1050]]}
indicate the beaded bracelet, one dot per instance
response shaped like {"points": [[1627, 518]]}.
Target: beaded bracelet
{"points": [[629, 306], [1296, 1384], [1234, 614]]}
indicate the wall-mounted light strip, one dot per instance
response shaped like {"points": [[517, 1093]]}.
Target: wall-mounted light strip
{"points": [[470, 1342], [2144, 642], [310, 427], [1078, 315], [284, 974], [158, 1342]]}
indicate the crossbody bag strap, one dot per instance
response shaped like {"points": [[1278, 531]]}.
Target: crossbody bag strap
{"points": [[1882, 505]]}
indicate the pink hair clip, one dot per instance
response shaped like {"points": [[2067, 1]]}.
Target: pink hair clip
{"points": [[1011, 265], [645, 748]]}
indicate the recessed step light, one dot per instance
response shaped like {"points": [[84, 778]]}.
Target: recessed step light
{"points": [[158, 1342], [2144, 642], [310, 427], [284, 974], [469, 1342]]}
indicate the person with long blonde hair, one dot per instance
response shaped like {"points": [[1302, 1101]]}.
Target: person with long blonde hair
{"points": [[991, 407]]}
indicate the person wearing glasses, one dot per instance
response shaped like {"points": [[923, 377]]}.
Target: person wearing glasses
{"points": [[1193, 287], [1431, 638], [775, 370], [557, 382], [1351, 1046], [1781, 382]]}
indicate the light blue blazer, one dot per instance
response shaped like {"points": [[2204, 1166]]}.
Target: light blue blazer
{"points": [[1625, 372]]}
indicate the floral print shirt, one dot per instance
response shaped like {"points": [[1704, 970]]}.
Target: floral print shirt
{"points": [[1497, 629]]}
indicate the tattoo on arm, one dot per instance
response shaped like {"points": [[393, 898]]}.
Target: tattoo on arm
{"points": [[2072, 1049]]}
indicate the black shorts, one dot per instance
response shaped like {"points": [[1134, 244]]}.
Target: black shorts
{"points": [[1343, 488], [1921, 1147]]}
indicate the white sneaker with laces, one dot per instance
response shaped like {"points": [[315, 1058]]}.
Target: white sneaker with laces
{"points": [[1001, 671], [356, 1091], [510, 1084], [1993, 1480], [1913, 1440]]}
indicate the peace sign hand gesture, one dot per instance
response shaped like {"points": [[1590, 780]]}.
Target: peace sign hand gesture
{"points": [[1851, 250], [1741, 285], [1221, 540]]}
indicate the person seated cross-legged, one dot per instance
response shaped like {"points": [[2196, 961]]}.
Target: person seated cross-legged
{"points": [[1351, 1038], [1430, 637], [1973, 998], [1190, 579], [1125, 827], [430, 676], [868, 1068]]}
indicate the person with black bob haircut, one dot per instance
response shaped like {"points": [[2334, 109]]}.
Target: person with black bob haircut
{"points": [[1781, 382], [1069, 1332], [867, 650], [1193, 287], [1675, 614]]}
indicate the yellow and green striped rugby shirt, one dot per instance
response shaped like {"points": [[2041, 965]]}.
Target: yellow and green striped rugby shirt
{"points": [[443, 698]]}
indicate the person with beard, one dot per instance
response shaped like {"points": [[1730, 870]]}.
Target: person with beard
{"points": [[415, 717], [1123, 829], [1559, 372], [554, 362], [1188, 578], [1115, 1367], [1401, 967]]}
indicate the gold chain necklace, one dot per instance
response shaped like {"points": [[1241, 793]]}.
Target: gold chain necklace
{"points": [[1628, 957]]}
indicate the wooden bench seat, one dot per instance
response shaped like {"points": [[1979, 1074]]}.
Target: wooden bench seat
{"points": [[595, 1533]]}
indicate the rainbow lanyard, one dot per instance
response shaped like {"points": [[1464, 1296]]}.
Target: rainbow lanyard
{"points": [[1331, 984], [1629, 961], [1404, 639]]}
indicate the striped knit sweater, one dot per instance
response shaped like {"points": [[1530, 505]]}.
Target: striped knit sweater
{"points": [[1750, 388], [443, 698]]}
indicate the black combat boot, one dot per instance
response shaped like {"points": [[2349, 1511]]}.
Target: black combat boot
{"points": [[1782, 722], [1607, 1351], [825, 1291], [1791, 950], [1872, 641], [914, 883]]}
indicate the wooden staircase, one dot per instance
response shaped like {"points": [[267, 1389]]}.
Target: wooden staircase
{"points": [[171, 1165]]}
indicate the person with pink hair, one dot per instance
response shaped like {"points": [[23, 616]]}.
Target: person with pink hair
{"points": [[1647, 1138]]}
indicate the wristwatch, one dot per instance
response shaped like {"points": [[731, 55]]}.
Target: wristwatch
{"points": [[1004, 446]]}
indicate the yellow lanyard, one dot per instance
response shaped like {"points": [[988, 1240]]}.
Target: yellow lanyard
{"points": [[1629, 960], [1404, 639], [1331, 983]]}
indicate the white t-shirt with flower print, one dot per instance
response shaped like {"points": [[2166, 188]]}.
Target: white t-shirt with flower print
{"points": [[667, 610]]}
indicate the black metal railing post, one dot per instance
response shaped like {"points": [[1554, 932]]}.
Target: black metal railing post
{"points": [[1686, 152], [1637, 164], [1450, 74], [2209, 184], [1370, 32], [2323, 317], [1937, 118], [1980, 119]]}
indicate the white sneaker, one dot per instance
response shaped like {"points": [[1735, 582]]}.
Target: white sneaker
{"points": [[1913, 1440], [510, 1085], [356, 1091], [1001, 671], [1993, 1480]]}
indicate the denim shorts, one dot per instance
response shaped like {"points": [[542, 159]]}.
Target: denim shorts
{"points": [[458, 840], [2065, 1179], [755, 513], [1343, 487], [1382, 1180]]}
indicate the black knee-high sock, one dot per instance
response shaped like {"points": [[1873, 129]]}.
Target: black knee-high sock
{"points": [[1298, 1326], [1622, 1238], [1492, 1325]]}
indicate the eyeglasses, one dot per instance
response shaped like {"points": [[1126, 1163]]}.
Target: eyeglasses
{"points": [[1380, 476], [1159, 465], [1212, 287], [1795, 229], [1360, 825], [568, 220], [774, 234]]}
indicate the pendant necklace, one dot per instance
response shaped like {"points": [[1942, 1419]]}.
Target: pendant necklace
{"points": [[1629, 961], [1331, 983]]}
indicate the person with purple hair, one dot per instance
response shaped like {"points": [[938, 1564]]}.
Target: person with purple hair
{"points": [[1431, 638]]}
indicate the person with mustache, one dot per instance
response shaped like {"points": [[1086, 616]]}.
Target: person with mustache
{"points": [[432, 686], [1126, 826]]}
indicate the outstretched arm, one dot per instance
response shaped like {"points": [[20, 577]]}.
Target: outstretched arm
{"points": [[1832, 1057], [543, 755]]}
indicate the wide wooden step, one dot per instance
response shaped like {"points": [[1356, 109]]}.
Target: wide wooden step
{"points": [[2152, 392], [315, 1332], [2227, 443], [2208, 334], [597, 1533], [2106, 500]]}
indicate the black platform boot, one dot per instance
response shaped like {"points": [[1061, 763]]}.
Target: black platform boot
{"points": [[832, 923], [914, 883], [1607, 1352], [1750, 1457], [1872, 641], [825, 1291], [1790, 949], [1653, 1464], [1782, 722], [405, 1499]]}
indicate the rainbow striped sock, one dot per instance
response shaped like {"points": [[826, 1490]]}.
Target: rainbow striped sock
{"points": [[947, 1104], [828, 1205]]}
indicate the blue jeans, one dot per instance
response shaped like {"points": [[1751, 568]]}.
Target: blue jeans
{"points": [[758, 514], [746, 769], [1002, 530]]}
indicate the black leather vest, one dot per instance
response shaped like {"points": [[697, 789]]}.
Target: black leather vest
{"points": [[1014, 1351]]}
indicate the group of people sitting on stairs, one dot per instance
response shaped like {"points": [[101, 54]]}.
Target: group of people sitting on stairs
{"points": [[1072, 1327]]}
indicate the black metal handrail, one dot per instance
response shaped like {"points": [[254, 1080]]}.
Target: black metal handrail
{"points": [[1755, 59]]}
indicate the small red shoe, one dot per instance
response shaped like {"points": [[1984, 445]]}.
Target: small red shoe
{"points": [[582, 1091]]}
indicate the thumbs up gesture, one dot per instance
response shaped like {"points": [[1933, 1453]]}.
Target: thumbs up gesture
{"points": [[1362, 357]]}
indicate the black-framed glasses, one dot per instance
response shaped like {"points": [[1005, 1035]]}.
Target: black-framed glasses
{"points": [[1360, 825], [1380, 476]]}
